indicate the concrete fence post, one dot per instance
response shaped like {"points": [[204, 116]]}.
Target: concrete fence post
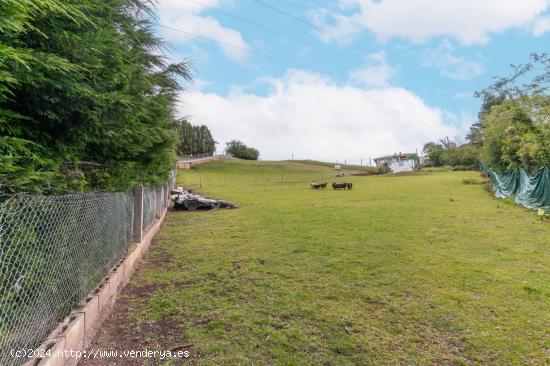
{"points": [[138, 214], [158, 197], [162, 199], [167, 195]]}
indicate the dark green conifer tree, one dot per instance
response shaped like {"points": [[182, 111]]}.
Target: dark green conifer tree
{"points": [[84, 81]]}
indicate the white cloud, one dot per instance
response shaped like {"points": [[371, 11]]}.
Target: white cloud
{"points": [[469, 21], [449, 65], [463, 120], [185, 15], [199, 84], [376, 73], [311, 117], [337, 28], [541, 26]]}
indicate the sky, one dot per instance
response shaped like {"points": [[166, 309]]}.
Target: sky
{"points": [[345, 80]]}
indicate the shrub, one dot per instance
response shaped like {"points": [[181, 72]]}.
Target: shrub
{"points": [[460, 168], [238, 149], [471, 181]]}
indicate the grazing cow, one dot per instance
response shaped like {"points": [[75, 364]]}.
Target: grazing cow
{"points": [[318, 185], [341, 185]]}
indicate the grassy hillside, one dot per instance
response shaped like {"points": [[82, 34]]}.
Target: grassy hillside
{"points": [[362, 168], [417, 269], [238, 172]]}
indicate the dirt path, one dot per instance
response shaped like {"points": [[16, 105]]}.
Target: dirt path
{"points": [[126, 330]]}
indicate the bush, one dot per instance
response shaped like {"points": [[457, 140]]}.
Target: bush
{"points": [[461, 168], [238, 149], [468, 181]]}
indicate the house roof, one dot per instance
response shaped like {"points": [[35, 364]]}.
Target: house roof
{"points": [[402, 156]]}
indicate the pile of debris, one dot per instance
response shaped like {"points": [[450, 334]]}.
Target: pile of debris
{"points": [[187, 200]]}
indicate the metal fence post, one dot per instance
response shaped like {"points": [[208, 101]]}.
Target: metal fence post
{"points": [[138, 214]]}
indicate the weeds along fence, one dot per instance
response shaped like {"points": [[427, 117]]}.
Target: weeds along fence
{"points": [[54, 250]]}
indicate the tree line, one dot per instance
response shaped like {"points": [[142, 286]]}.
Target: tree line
{"points": [[194, 139], [513, 125]]}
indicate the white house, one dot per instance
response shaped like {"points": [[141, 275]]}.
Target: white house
{"points": [[397, 162]]}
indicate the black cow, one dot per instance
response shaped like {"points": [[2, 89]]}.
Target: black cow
{"points": [[318, 185], [341, 185]]}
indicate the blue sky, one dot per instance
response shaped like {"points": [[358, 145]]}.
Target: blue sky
{"points": [[354, 78]]}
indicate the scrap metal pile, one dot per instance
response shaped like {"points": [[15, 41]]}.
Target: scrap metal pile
{"points": [[186, 200]]}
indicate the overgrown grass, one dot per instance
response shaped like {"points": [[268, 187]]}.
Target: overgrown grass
{"points": [[408, 270], [473, 181]]}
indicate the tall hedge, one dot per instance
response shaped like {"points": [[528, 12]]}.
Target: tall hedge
{"points": [[86, 97]]}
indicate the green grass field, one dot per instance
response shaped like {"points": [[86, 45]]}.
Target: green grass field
{"points": [[411, 270]]}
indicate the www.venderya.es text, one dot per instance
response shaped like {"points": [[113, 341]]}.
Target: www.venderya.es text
{"points": [[100, 353]]}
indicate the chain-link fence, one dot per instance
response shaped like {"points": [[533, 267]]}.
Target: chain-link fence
{"points": [[149, 207], [54, 250]]}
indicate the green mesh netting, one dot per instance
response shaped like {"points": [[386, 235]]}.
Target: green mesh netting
{"points": [[534, 191], [531, 191], [504, 184], [484, 167]]}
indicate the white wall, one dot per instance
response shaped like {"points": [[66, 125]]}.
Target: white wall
{"points": [[402, 166]]}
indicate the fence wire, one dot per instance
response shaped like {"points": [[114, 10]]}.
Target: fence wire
{"points": [[149, 207], [53, 251]]}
